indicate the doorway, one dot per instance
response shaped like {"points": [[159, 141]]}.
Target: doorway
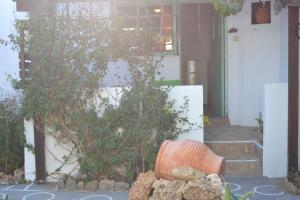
{"points": [[202, 53]]}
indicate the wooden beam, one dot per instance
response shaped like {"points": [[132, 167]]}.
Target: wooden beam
{"points": [[24, 5], [294, 3], [293, 87]]}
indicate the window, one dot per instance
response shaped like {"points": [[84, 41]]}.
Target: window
{"points": [[159, 19]]}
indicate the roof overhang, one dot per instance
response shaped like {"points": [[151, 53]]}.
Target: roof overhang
{"points": [[294, 3], [24, 5], [27, 5]]}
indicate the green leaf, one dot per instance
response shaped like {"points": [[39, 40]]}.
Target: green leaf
{"points": [[227, 194], [246, 196]]}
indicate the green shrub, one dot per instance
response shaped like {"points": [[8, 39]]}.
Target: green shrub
{"points": [[12, 137], [70, 61], [131, 134], [294, 177]]}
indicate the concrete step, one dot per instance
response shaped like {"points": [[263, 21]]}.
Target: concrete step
{"points": [[235, 150], [218, 122], [243, 168], [243, 158]]}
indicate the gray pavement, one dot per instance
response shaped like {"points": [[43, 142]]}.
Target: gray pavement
{"points": [[49, 192], [263, 188]]}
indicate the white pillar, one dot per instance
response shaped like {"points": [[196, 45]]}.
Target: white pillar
{"points": [[275, 159], [29, 156]]}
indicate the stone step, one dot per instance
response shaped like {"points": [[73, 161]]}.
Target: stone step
{"points": [[218, 122], [242, 158], [235, 150], [243, 168]]}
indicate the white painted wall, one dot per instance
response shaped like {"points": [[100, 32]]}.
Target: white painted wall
{"points": [[275, 155], [171, 69], [54, 152], [118, 74], [257, 54], [195, 110], [284, 46], [54, 157], [29, 157]]}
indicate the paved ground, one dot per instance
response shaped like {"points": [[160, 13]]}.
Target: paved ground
{"points": [[231, 133], [264, 189], [49, 192]]}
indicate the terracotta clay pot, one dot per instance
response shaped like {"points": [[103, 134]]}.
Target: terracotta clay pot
{"points": [[188, 153]]}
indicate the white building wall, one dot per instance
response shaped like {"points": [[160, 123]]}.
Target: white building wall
{"points": [[171, 69], [195, 109], [256, 55], [259, 56], [275, 156], [54, 157], [55, 152], [118, 74]]}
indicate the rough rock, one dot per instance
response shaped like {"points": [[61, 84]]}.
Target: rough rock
{"points": [[166, 190], [216, 181], [121, 187], [187, 174], [107, 185], [71, 184], [190, 184], [80, 176], [91, 185], [142, 187], [200, 189], [5, 178], [18, 175], [61, 183], [80, 186], [292, 187]]}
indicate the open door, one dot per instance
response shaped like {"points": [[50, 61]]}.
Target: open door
{"points": [[217, 96], [202, 42]]}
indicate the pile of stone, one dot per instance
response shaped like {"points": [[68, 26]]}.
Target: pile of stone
{"points": [[5, 178], [188, 184], [18, 176], [9, 179], [79, 183]]}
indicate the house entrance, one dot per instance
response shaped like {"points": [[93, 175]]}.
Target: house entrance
{"points": [[202, 53]]}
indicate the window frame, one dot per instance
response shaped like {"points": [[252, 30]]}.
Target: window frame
{"points": [[137, 4]]}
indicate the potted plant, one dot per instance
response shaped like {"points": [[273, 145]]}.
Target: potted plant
{"points": [[292, 182]]}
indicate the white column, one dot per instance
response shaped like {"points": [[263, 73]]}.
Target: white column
{"points": [[275, 155], [29, 156]]}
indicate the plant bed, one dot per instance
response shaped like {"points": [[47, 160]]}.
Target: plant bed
{"points": [[293, 182]]}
